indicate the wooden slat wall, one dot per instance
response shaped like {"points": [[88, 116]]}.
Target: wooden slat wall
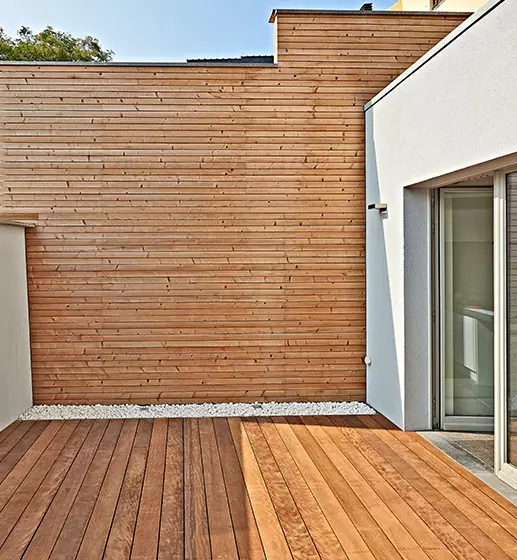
{"points": [[201, 233]]}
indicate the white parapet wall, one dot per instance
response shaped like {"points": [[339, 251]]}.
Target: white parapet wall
{"points": [[15, 363], [450, 115]]}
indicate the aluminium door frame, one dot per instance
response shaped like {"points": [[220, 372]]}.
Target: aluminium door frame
{"points": [[504, 470]]}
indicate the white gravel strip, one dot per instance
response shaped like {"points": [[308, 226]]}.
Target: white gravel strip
{"points": [[80, 412]]}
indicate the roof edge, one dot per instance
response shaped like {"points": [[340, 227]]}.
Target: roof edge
{"points": [[279, 11], [436, 50], [145, 64]]}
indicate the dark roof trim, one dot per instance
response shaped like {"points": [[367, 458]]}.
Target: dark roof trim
{"points": [[144, 64], [277, 12], [248, 59]]}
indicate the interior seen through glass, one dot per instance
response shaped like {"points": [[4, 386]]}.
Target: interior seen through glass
{"points": [[468, 302]]}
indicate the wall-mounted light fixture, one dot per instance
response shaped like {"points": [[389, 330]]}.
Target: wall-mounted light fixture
{"points": [[381, 207]]}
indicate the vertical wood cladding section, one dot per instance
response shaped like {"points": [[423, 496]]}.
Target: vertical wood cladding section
{"points": [[201, 233]]}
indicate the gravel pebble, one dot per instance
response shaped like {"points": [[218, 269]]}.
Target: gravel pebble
{"points": [[80, 412]]}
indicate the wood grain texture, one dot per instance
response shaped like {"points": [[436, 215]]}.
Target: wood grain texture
{"points": [[197, 538], [172, 533], [72, 533], [347, 487], [222, 536], [98, 529], [23, 514], [147, 530], [201, 230], [120, 538]]}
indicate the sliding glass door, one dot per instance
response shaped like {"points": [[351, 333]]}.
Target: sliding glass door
{"points": [[506, 326], [467, 309], [477, 311]]}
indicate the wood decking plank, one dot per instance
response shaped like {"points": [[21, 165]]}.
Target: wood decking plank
{"points": [[197, 538], [508, 506], [44, 539], [346, 532], [476, 482], [20, 449], [122, 530], [248, 489], [25, 525], [448, 534], [500, 500], [222, 536], [453, 512], [490, 519], [14, 436], [71, 535], [493, 503], [323, 536], [147, 530], [244, 523], [376, 539], [25, 465], [8, 429], [15, 494], [384, 481], [97, 531], [272, 536], [172, 530], [296, 532], [392, 527]]}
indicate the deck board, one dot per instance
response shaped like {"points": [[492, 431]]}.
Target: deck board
{"points": [[97, 532], [124, 521], [172, 525], [72, 533], [344, 487]]}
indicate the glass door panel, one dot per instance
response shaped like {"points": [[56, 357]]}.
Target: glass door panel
{"points": [[467, 308]]}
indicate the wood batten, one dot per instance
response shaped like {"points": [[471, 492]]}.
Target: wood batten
{"points": [[17, 219], [201, 228]]}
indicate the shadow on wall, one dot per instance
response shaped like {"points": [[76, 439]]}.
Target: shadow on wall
{"points": [[417, 414], [383, 376]]}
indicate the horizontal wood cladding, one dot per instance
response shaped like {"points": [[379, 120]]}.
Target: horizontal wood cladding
{"points": [[201, 229]]}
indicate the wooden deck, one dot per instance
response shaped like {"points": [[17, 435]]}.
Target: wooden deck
{"points": [[275, 488]]}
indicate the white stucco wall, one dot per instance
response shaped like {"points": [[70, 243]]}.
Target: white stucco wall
{"points": [[454, 109], [15, 367]]}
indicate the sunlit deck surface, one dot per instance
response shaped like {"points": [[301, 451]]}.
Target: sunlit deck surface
{"points": [[277, 488]]}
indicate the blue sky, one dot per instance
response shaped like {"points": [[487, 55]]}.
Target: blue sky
{"points": [[165, 30]]}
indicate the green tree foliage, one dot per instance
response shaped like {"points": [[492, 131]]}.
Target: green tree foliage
{"points": [[51, 45]]}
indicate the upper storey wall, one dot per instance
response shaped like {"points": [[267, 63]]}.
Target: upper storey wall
{"points": [[202, 228]]}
